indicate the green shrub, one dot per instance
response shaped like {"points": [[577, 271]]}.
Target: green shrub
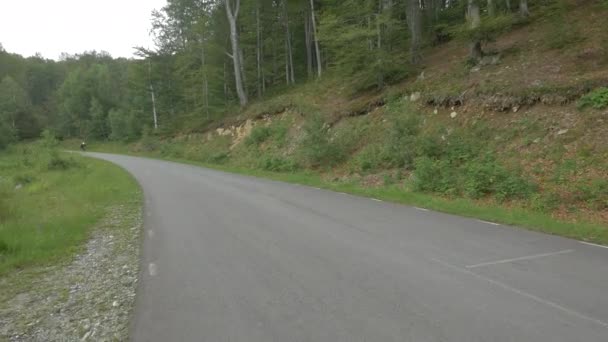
{"points": [[594, 193], [489, 28], [148, 142], [6, 193], [58, 163], [49, 139], [278, 164], [317, 149], [371, 157], [597, 99], [218, 158], [258, 135], [401, 146], [7, 135], [24, 179]]}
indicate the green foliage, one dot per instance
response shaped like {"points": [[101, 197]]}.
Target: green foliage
{"points": [[278, 164], [52, 214], [597, 99], [594, 193], [317, 148], [258, 135], [7, 135], [49, 139], [401, 147], [489, 28], [57, 162], [218, 158]]}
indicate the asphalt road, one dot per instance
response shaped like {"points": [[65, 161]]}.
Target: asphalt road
{"points": [[240, 259]]}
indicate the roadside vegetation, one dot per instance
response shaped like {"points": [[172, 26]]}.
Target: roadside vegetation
{"points": [[50, 201]]}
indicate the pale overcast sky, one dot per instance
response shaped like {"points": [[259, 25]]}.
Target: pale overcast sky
{"points": [[73, 26]]}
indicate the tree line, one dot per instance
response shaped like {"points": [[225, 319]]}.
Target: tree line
{"points": [[214, 54]]}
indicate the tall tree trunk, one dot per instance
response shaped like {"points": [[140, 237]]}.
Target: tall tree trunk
{"points": [[154, 114], [523, 8], [316, 38], [308, 43], [474, 20], [258, 49], [415, 25], [236, 50], [491, 8], [288, 48], [508, 3]]}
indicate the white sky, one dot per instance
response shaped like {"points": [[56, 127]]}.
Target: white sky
{"points": [[73, 26]]}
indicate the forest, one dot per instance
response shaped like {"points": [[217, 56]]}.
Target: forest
{"points": [[212, 57]]}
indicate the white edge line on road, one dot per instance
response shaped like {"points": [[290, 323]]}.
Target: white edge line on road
{"points": [[342, 193], [488, 222], [529, 257], [152, 269], [523, 293], [421, 209], [377, 200], [593, 244]]}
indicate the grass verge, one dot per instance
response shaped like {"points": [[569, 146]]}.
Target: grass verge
{"points": [[50, 201], [516, 216]]}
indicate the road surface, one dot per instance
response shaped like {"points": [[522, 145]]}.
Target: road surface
{"points": [[234, 258]]}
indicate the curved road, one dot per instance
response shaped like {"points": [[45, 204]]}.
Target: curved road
{"points": [[240, 259]]}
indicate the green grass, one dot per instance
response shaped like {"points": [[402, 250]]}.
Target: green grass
{"points": [[50, 201], [516, 216]]}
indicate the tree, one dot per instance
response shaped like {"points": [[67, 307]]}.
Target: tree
{"points": [[474, 21], [414, 22], [523, 8], [12, 101], [232, 13]]}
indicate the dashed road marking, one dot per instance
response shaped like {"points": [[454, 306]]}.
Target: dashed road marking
{"points": [[152, 269], [377, 200], [523, 293], [488, 222], [421, 209], [151, 233], [529, 257], [593, 244]]}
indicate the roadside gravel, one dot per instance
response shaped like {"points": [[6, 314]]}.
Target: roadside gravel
{"points": [[89, 298]]}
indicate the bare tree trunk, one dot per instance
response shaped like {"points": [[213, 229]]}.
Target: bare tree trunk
{"points": [[236, 50], [491, 8], [154, 115], [508, 3], [308, 43], [258, 49], [474, 20], [523, 8], [415, 25], [288, 48], [316, 38]]}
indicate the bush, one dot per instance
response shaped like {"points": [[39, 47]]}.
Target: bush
{"points": [[594, 193], [218, 158], [5, 197], [371, 157], [258, 135], [597, 99], [489, 28], [316, 147], [401, 147], [24, 179], [7, 135], [59, 163], [148, 142], [49, 139], [278, 164]]}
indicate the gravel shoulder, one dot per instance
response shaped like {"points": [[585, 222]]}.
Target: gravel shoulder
{"points": [[90, 297]]}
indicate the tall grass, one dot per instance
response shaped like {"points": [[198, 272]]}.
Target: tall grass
{"points": [[49, 201]]}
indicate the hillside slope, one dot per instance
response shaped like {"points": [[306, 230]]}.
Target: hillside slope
{"points": [[510, 131]]}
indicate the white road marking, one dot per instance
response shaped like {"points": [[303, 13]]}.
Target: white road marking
{"points": [[593, 244], [314, 187], [342, 193], [421, 209], [377, 200], [151, 233], [529, 257], [488, 222], [524, 294], [152, 269], [148, 214]]}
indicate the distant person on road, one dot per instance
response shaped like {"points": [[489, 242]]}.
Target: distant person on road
{"points": [[83, 146]]}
